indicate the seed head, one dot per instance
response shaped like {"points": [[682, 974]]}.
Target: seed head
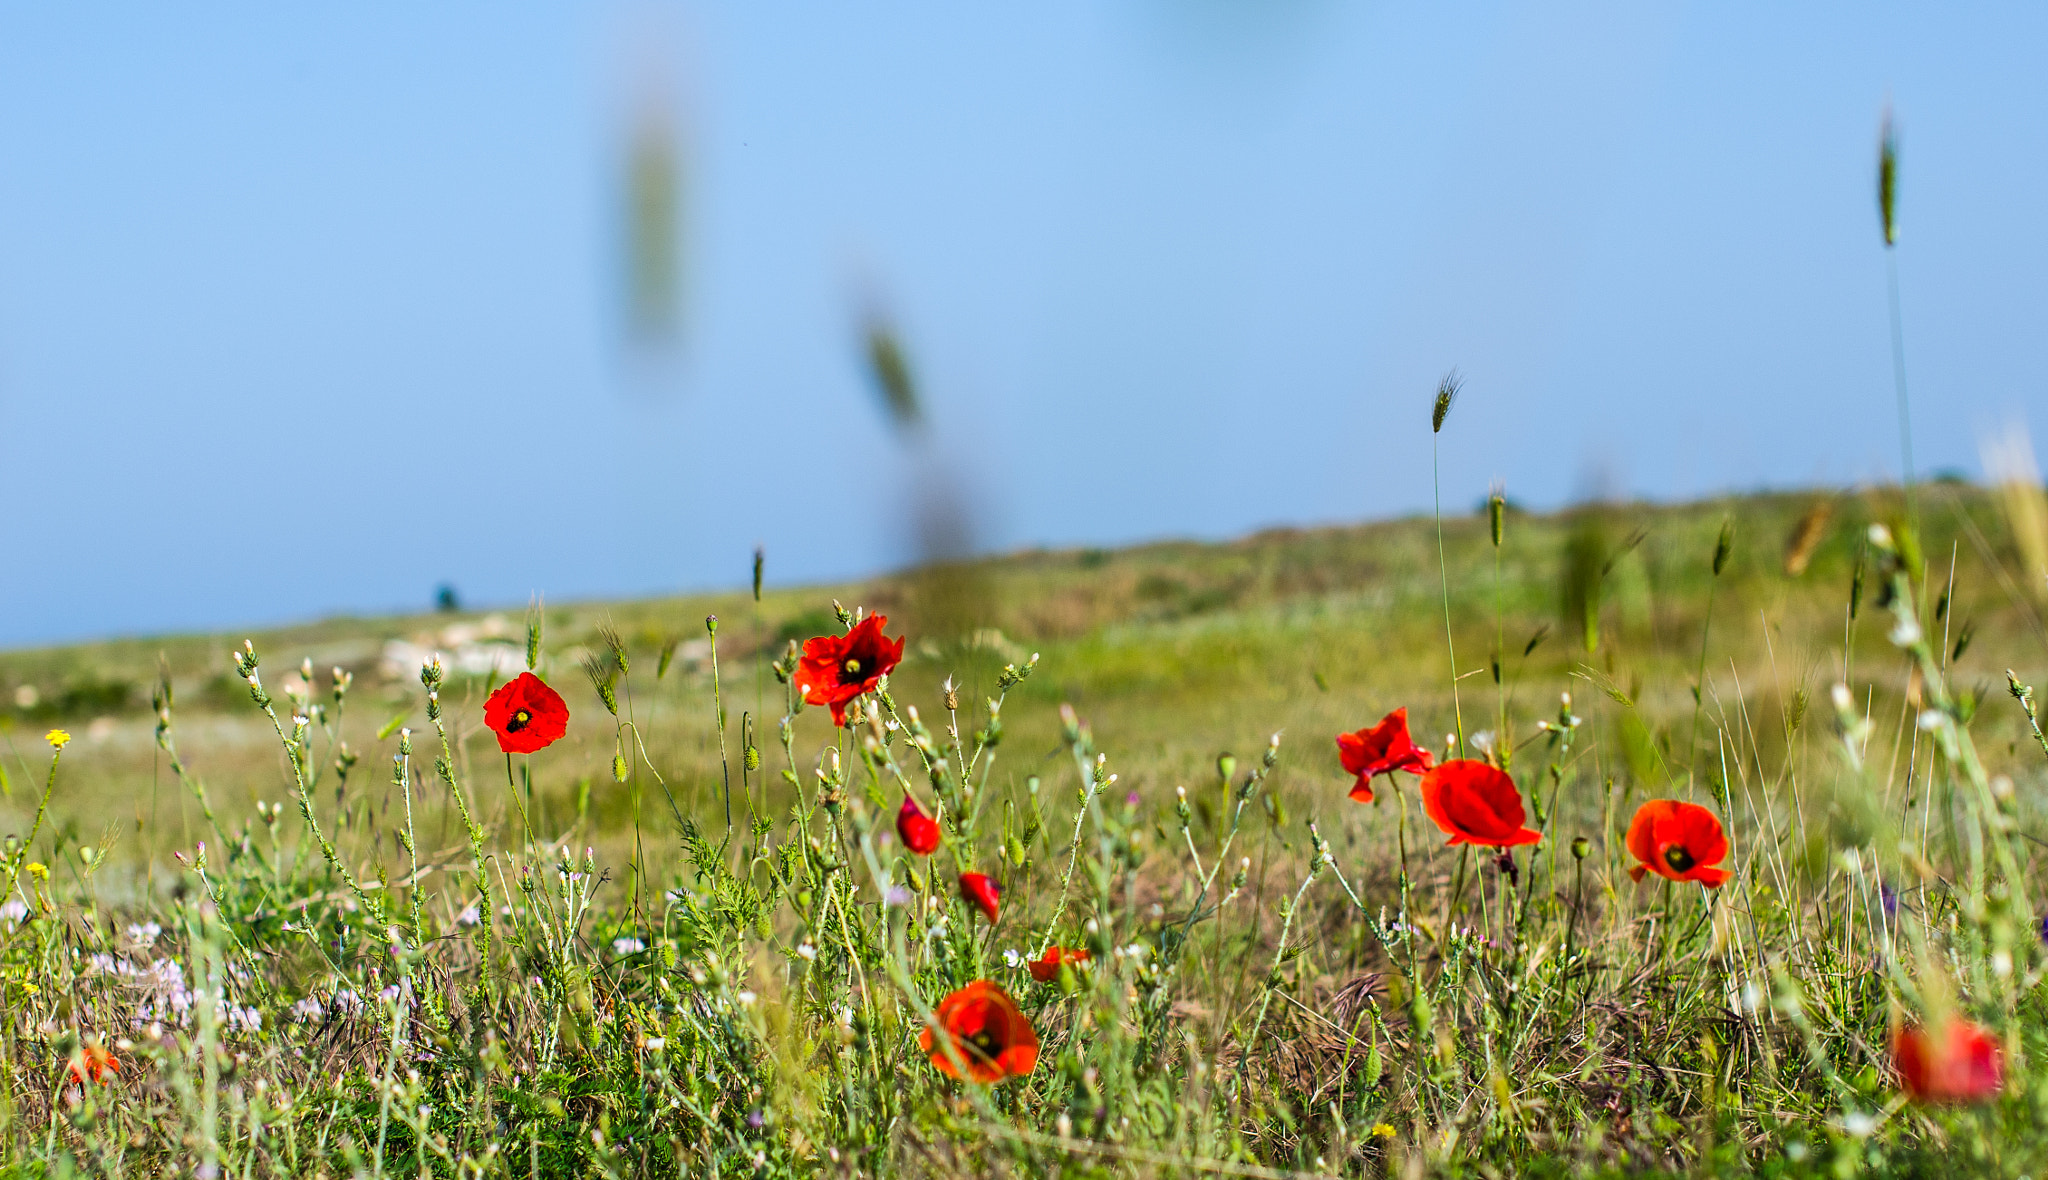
{"points": [[533, 615], [614, 644], [1446, 393], [604, 675], [760, 556], [1723, 545], [1496, 513]]}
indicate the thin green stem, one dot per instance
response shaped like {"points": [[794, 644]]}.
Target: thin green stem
{"points": [[1443, 569]]}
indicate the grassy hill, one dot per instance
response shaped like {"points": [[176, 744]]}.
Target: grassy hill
{"points": [[1175, 651]]}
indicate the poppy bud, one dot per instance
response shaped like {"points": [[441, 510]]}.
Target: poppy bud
{"points": [[711, 624], [618, 768], [1580, 847], [981, 892], [919, 832]]}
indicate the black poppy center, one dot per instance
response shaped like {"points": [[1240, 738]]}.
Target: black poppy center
{"points": [[852, 665], [519, 721], [1679, 858], [984, 1044]]}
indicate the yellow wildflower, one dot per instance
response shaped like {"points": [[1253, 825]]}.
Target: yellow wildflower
{"points": [[57, 738], [38, 870], [1383, 1130]]}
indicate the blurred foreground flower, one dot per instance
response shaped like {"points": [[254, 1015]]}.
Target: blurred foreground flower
{"points": [[987, 1030], [1958, 1062]]}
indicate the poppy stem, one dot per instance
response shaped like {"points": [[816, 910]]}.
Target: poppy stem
{"points": [[1458, 888], [1407, 918], [1699, 684]]}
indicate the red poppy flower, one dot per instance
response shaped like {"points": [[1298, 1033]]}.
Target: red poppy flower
{"points": [[96, 1063], [1679, 841], [1381, 749], [1476, 804], [1958, 1063], [987, 1030], [978, 889], [1047, 968], [920, 832], [837, 668], [526, 714]]}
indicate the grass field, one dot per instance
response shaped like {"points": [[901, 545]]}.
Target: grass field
{"points": [[604, 974]]}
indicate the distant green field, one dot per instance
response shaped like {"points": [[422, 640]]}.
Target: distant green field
{"points": [[1175, 652]]}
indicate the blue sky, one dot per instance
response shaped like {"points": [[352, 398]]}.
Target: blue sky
{"points": [[307, 311]]}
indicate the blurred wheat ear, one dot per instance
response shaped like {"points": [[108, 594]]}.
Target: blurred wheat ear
{"points": [[653, 216], [1585, 558], [889, 365], [2009, 461], [1806, 537]]}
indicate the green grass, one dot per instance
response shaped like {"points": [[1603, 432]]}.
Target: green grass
{"points": [[1566, 1020]]}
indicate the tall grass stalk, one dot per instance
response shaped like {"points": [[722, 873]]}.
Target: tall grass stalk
{"points": [[1440, 408]]}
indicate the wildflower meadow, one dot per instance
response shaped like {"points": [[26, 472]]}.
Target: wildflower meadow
{"points": [[1698, 840]]}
